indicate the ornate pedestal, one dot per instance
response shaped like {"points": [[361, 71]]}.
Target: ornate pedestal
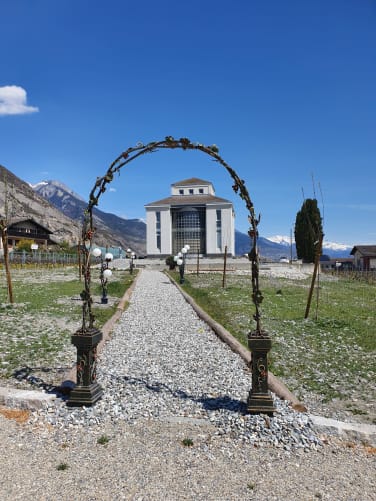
{"points": [[259, 398], [87, 391]]}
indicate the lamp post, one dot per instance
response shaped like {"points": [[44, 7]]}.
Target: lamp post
{"points": [[105, 272], [180, 261], [132, 256]]}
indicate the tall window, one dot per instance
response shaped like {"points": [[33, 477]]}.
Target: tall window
{"points": [[188, 227], [219, 229], [158, 229]]}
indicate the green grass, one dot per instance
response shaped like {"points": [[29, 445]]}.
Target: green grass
{"points": [[331, 355], [36, 330], [187, 442], [103, 440], [115, 289]]}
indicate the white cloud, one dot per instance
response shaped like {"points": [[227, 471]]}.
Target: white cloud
{"points": [[13, 101], [112, 189]]}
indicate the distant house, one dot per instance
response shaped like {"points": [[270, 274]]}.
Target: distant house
{"points": [[364, 257], [28, 229], [338, 264]]}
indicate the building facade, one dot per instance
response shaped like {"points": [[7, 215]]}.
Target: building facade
{"points": [[28, 229], [192, 215], [364, 257]]}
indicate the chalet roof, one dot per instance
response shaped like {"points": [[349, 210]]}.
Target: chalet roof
{"points": [[19, 220], [189, 200], [365, 250], [192, 181]]}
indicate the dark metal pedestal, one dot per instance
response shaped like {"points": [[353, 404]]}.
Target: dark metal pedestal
{"points": [[87, 391], [259, 398]]}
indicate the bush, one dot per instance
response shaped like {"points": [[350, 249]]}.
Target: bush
{"points": [[170, 262], [24, 245]]}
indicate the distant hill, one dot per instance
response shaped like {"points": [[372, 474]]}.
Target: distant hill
{"points": [[267, 248], [110, 229], [23, 202]]}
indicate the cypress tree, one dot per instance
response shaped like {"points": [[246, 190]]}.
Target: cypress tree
{"points": [[308, 228]]}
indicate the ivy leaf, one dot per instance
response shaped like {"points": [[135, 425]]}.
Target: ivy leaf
{"points": [[85, 296], [185, 142]]}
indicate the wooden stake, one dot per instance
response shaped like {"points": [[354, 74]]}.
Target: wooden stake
{"points": [[4, 238], [224, 268], [317, 264]]}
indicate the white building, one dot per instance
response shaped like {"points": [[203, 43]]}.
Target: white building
{"points": [[192, 215]]}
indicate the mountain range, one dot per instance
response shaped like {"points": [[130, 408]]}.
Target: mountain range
{"points": [[331, 249], [56, 206], [110, 229], [18, 201]]}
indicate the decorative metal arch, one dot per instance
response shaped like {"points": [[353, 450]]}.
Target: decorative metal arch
{"points": [[86, 339], [127, 156]]}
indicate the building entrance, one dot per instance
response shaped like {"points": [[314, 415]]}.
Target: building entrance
{"points": [[188, 227]]}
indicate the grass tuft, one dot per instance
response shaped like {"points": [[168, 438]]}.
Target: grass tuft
{"points": [[103, 440], [187, 442], [62, 466]]}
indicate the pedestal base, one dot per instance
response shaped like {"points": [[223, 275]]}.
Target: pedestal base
{"points": [[260, 404], [87, 391], [260, 400], [85, 395]]}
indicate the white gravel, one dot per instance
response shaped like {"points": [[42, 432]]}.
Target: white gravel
{"points": [[167, 378]]}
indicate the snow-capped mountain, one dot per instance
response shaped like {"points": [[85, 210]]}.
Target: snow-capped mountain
{"points": [[333, 249], [24, 202], [51, 189], [111, 228], [336, 247], [280, 239]]}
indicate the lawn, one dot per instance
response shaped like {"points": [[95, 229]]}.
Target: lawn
{"points": [[35, 331], [330, 356]]}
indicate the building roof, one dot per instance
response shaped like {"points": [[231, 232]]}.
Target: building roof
{"points": [[365, 250], [19, 220], [192, 181], [189, 200]]}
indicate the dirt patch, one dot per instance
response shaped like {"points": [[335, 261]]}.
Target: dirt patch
{"points": [[19, 415]]}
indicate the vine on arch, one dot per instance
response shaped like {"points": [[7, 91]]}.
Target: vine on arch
{"points": [[99, 188]]}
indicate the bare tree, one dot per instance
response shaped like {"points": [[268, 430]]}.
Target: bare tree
{"points": [[4, 240]]}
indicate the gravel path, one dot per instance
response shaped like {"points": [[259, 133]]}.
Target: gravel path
{"points": [[173, 416]]}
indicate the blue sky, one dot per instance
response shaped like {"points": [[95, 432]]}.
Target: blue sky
{"points": [[285, 89]]}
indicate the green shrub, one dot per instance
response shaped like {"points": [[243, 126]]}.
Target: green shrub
{"points": [[170, 262], [25, 245]]}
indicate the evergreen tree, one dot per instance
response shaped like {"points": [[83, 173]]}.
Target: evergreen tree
{"points": [[308, 229]]}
